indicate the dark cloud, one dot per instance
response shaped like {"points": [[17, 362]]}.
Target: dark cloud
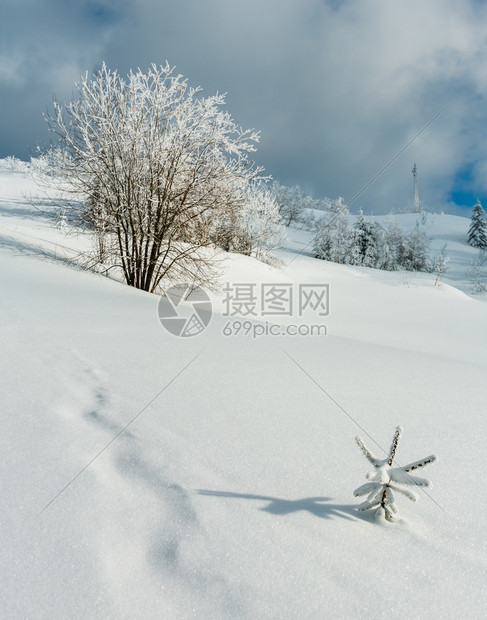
{"points": [[337, 88], [45, 46]]}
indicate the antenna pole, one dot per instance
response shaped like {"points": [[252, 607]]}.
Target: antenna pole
{"points": [[416, 193]]}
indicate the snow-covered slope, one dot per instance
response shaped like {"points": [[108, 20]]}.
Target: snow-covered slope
{"points": [[230, 492]]}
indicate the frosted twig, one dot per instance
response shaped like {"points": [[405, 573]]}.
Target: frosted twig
{"points": [[395, 441], [387, 479]]}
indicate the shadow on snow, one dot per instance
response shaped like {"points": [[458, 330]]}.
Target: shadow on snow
{"points": [[316, 506]]}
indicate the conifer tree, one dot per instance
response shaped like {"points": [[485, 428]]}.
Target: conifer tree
{"points": [[477, 233], [367, 239]]}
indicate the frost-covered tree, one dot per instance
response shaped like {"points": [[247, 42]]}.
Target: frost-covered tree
{"points": [[292, 202], [310, 218], [324, 244], [257, 229], [154, 165], [332, 242], [367, 243], [477, 233], [387, 479], [416, 251], [337, 220], [13, 164], [394, 245], [478, 272], [439, 264]]}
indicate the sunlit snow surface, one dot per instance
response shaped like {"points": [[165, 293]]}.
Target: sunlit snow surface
{"points": [[231, 494]]}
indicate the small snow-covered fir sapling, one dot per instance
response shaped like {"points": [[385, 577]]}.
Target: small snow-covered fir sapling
{"points": [[388, 479]]}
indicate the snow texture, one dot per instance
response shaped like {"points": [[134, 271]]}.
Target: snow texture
{"points": [[228, 496]]}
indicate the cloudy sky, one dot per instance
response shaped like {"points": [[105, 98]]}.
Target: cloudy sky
{"points": [[337, 88]]}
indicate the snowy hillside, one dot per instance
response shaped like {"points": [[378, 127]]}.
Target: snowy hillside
{"points": [[149, 476]]}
